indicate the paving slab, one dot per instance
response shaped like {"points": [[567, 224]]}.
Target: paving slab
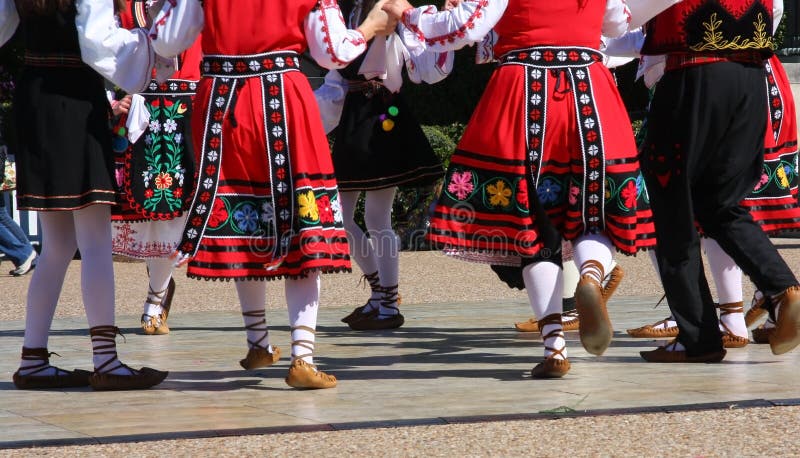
{"points": [[450, 363]]}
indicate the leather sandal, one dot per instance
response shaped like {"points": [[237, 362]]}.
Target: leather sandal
{"points": [[259, 356], [657, 330], [372, 321], [304, 375], [552, 367], [570, 321], [668, 354], [103, 380], [33, 380], [756, 311], [786, 335], [595, 327], [729, 339], [614, 279], [157, 325], [761, 334]]}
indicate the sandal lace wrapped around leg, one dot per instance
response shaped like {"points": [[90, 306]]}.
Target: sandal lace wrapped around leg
{"points": [[552, 366], [31, 377], [729, 339], [258, 355], [304, 375], [103, 378], [157, 324]]}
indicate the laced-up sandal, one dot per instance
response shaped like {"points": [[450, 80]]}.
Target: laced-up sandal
{"points": [[756, 311], [614, 279], [303, 375], [657, 330], [786, 314], [552, 367], [374, 283], [570, 322], [670, 354], [761, 333], [595, 327], [104, 343], [259, 356], [729, 339], [33, 380], [157, 325], [374, 321]]}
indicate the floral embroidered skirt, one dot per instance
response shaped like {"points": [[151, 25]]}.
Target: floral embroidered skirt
{"points": [[155, 175], [773, 202], [239, 240], [483, 213]]}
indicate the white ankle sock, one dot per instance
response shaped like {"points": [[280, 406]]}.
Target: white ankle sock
{"points": [[252, 295], [302, 300]]}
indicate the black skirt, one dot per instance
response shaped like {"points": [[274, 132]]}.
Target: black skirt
{"points": [[64, 160], [380, 144]]}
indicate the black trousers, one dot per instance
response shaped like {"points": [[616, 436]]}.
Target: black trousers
{"points": [[702, 155]]}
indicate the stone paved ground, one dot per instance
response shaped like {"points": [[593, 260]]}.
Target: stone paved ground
{"points": [[441, 283]]}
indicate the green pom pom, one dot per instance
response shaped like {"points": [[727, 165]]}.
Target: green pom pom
{"points": [[393, 110]]}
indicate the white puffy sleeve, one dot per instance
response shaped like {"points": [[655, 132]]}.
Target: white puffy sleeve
{"points": [[428, 28], [628, 45], [777, 14], [617, 18], [9, 20], [642, 11], [176, 27], [124, 57], [330, 42], [429, 67]]}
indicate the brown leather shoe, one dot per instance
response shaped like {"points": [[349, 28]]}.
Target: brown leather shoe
{"points": [[141, 379], [654, 331], [157, 325], [730, 340], [258, 357], [665, 354], [371, 322], [551, 368], [761, 334], [614, 279], [569, 319], [787, 325], [356, 314], [756, 311], [154, 325], [33, 380], [595, 325], [306, 376]]}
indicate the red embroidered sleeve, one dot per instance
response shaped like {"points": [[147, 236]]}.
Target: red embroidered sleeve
{"points": [[452, 36], [326, 31]]}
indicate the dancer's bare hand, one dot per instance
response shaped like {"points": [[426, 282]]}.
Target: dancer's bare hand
{"points": [[450, 4], [179, 258], [377, 22], [122, 106], [396, 8]]}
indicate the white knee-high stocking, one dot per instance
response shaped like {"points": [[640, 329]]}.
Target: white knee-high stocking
{"points": [[378, 218], [302, 301], [252, 295], [361, 247], [544, 285], [58, 249]]}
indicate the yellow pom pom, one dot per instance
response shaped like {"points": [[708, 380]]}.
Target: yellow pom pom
{"points": [[387, 125]]}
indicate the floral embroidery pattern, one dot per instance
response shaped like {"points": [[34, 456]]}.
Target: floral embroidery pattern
{"points": [[499, 193], [246, 218], [307, 203], [461, 184], [163, 154], [549, 191]]}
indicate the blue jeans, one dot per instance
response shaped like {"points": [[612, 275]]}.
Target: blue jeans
{"points": [[13, 241]]}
